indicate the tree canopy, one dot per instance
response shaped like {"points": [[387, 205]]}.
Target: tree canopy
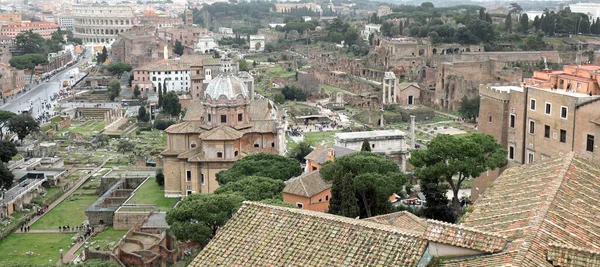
{"points": [[160, 177], [30, 42], [136, 92], [6, 177], [362, 183], [125, 145], [291, 92], [198, 216], [469, 108], [23, 125], [119, 68], [28, 61], [463, 157], [143, 115], [300, 151], [366, 146], [178, 48], [102, 56], [171, 104], [254, 188], [114, 89], [5, 116], [261, 164], [7, 151]]}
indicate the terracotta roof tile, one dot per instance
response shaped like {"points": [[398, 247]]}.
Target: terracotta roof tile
{"points": [[187, 127], [570, 256], [222, 132], [319, 154], [466, 237], [306, 185], [262, 235], [553, 201], [402, 219], [496, 260], [194, 111]]}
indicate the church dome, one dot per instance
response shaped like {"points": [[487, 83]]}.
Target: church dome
{"points": [[228, 85]]}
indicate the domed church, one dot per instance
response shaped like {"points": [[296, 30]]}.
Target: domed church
{"points": [[226, 125]]}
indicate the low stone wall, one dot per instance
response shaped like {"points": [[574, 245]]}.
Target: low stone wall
{"points": [[126, 220]]}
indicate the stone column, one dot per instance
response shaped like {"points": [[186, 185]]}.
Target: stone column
{"points": [[383, 93], [412, 131], [381, 120], [403, 165], [390, 88]]}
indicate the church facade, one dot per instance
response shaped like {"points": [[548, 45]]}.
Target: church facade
{"points": [[224, 126]]}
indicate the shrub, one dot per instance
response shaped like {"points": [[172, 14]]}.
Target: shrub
{"points": [[162, 124]]}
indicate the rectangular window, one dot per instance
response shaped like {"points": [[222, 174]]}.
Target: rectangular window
{"points": [[202, 178], [223, 118], [209, 117], [513, 118], [563, 136], [546, 131], [531, 126], [578, 85], [188, 176], [531, 157], [564, 111], [590, 143], [240, 117], [548, 108], [511, 152], [532, 104], [490, 120]]}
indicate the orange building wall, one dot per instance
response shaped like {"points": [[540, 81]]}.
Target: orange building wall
{"points": [[311, 203]]}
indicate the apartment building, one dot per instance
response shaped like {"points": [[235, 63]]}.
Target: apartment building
{"points": [[548, 115], [45, 29]]}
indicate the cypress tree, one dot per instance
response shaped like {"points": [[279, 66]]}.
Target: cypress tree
{"points": [[366, 146], [508, 23], [347, 204]]}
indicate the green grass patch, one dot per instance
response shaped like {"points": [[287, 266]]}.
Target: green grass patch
{"points": [[107, 238], [331, 89], [45, 247], [315, 138], [70, 211], [150, 193], [280, 71]]}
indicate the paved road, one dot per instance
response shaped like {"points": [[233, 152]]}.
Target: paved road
{"points": [[35, 97]]}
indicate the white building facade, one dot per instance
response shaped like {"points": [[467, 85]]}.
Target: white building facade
{"points": [[390, 143], [205, 44], [590, 9], [370, 28], [175, 78]]}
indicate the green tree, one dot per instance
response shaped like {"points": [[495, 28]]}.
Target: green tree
{"points": [[437, 205], [30, 42], [254, 188], [366, 146], [5, 116], [23, 125], [300, 151], [102, 139], [463, 157], [28, 61], [6, 177], [119, 68], [171, 104], [508, 23], [143, 115], [261, 164], [244, 65], [178, 48], [125, 145], [370, 175], [524, 21], [7, 151], [114, 89], [278, 98], [160, 177], [160, 98], [469, 108], [136, 91], [102, 56], [198, 216]]}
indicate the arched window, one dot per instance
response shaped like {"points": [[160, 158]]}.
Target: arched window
{"points": [[256, 145], [219, 154], [193, 145], [236, 153]]}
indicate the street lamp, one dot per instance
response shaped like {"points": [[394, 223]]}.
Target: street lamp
{"points": [[61, 255]]}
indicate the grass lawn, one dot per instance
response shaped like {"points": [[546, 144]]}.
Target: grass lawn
{"points": [[45, 247], [331, 89], [149, 193], [107, 238], [315, 138], [280, 71], [70, 211]]}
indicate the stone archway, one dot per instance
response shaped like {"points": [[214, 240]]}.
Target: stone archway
{"points": [[257, 46], [434, 51]]}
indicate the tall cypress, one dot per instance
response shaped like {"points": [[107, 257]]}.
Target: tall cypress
{"points": [[347, 204], [508, 23]]}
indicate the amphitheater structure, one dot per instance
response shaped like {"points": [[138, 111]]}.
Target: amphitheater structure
{"points": [[101, 23]]}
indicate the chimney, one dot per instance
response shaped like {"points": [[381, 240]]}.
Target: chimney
{"points": [[330, 154], [412, 131]]}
